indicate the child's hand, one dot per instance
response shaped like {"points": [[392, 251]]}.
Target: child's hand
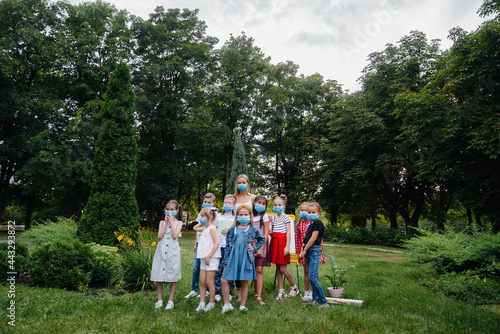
{"points": [[207, 260], [224, 232], [250, 248], [302, 254], [194, 248], [287, 251], [259, 253]]}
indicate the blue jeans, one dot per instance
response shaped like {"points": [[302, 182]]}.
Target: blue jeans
{"points": [[313, 258], [196, 272], [218, 275]]}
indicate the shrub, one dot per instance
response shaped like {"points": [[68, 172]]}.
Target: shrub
{"points": [[62, 264], [107, 265], [63, 230], [354, 235], [13, 258]]}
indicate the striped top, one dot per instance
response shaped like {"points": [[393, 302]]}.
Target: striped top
{"points": [[279, 225]]}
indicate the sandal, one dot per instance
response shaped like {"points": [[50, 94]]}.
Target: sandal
{"points": [[260, 301], [294, 291], [255, 296], [281, 294]]}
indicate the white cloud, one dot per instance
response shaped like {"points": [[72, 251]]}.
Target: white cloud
{"points": [[330, 37]]}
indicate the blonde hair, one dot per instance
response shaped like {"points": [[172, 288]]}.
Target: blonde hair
{"points": [[282, 197], [209, 213], [316, 205], [244, 206], [209, 196], [306, 204], [232, 197], [242, 176]]}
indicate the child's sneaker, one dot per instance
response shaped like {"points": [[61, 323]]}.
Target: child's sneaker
{"points": [[209, 307], [281, 295], [308, 296], [200, 307], [170, 305], [294, 291], [243, 309], [227, 308], [191, 294], [218, 298], [324, 306], [159, 304]]}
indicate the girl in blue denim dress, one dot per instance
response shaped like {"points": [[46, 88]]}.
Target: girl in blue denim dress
{"points": [[240, 254]]}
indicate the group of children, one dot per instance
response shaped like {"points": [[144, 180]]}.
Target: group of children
{"points": [[235, 255]]}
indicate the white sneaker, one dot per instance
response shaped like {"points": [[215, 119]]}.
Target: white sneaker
{"points": [[227, 308], [201, 307], [159, 304], [209, 307], [218, 298], [243, 309], [308, 297], [191, 294], [170, 305]]}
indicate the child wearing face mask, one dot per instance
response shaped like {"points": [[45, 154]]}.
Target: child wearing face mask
{"points": [[209, 254], [262, 257], [280, 246], [166, 265], [239, 256]]}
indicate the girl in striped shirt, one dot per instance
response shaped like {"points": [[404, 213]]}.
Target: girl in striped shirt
{"points": [[280, 246]]}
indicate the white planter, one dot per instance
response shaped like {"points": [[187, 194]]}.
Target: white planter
{"points": [[335, 292]]}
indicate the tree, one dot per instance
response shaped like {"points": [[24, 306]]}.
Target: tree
{"points": [[112, 202], [239, 163]]}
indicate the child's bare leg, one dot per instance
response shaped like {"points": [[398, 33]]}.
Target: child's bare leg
{"points": [[210, 284], [173, 286], [259, 282], [203, 285], [244, 292], [280, 277], [306, 277], [225, 290], [159, 290], [287, 274]]}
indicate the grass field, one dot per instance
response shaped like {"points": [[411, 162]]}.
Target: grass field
{"points": [[394, 302]]}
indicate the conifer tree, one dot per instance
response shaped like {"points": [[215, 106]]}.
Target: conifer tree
{"points": [[112, 203], [239, 164]]}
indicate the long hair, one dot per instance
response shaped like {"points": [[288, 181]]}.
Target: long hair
{"points": [[241, 176], [209, 213]]}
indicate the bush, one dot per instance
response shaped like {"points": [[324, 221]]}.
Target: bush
{"points": [[107, 265], [361, 236], [13, 258], [62, 264], [457, 253], [63, 230]]}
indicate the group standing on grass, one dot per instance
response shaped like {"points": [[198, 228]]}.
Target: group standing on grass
{"points": [[233, 256]]}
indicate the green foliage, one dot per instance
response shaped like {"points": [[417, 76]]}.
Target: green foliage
{"points": [[457, 253], [361, 236], [13, 258], [107, 265], [336, 277], [64, 230], [112, 203], [62, 264], [239, 164]]}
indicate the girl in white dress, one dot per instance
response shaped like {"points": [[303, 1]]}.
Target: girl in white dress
{"points": [[209, 254], [167, 260]]}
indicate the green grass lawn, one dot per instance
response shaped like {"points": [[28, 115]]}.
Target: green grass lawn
{"points": [[394, 302]]}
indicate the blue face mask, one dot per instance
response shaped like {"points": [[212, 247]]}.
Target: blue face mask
{"points": [[312, 217], [244, 220], [227, 208], [203, 221], [278, 209], [303, 214], [259, 208], [173, 213], [207, 205], [242, 187]]}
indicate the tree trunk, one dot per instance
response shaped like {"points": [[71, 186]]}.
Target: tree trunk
{"points": [[469, 217], [374, 223], [393, 218]]}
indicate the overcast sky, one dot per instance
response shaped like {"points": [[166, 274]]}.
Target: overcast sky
{"points": [[330, 37]]}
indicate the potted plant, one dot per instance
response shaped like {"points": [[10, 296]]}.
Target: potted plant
{"points": [[337, 278]]}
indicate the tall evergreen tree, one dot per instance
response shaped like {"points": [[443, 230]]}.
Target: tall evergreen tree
{"points": [[239, 165], [112, 202]]}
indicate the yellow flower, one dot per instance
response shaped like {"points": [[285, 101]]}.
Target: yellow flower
{"points": [[153, 244], [130, 242], [120, 237]]}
